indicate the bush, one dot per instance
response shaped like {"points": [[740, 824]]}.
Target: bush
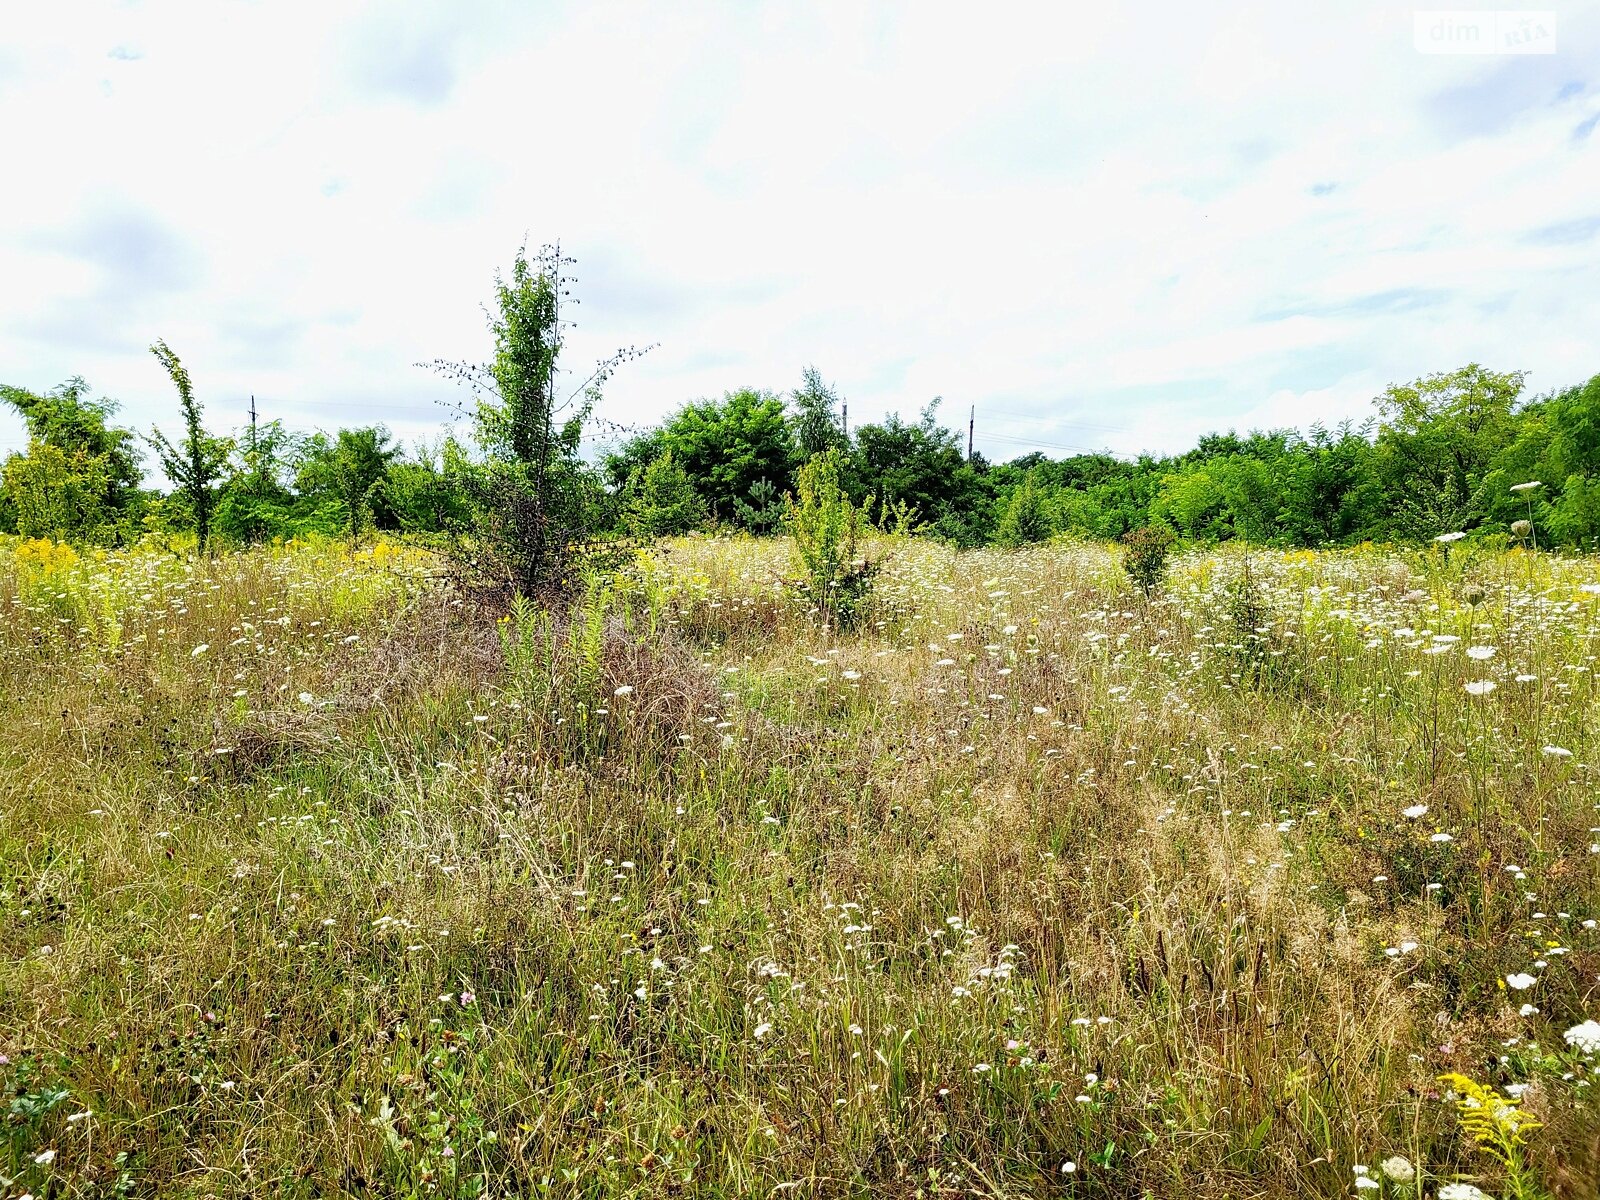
{"points": [[828, 535], [1145, 556], [660, 501], [1027, 518]]}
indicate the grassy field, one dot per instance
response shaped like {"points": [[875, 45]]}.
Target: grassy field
{"points": [[320, 879]]}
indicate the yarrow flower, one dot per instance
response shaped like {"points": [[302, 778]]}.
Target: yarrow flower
{"points": [[1414, 811], [1463, 1191], [1521, 981]]}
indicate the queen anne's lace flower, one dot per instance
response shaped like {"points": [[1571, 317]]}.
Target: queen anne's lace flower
{"points": [[1584, 1038], [1398, 1168]]}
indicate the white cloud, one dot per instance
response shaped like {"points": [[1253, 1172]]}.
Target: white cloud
{"points": [[1117, 227]]}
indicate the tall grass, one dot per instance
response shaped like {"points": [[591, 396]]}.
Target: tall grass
{"points": [[317, 880]]}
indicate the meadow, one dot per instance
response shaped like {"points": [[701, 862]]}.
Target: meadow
{"points": [[321, 875]]}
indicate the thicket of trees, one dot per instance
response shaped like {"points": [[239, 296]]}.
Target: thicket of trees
{"points": [[1439, 454]]}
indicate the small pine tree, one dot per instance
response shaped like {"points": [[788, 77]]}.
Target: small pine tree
{"points": [[660, 500], [197, 464], [1027, 518], [763, 512]]}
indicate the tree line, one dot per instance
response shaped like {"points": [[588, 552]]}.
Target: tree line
{"points": [[1440, 454]]}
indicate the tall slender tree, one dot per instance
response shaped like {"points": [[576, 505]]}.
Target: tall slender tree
{"points": [[816, 421], [198, 463], [532, 489]]}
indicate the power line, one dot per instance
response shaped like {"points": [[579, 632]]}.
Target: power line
{"points": [[1000, 437]]}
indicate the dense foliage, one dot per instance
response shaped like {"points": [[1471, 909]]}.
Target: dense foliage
{"points": [[1441, 454]]}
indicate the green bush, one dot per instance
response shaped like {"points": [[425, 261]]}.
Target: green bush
{"points": [[828, 532], [1027, 518], [660, 500]]}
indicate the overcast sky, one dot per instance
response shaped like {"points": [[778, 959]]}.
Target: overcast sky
{"points": [[1105, 226]]}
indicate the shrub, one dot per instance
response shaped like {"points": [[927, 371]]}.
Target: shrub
{"points": [[1027, 518], [661, 501], [828, 532], [1145, 556]]}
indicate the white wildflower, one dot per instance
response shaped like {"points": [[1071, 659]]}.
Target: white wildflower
{"points": [[1398, 1168], [1584, 1038]]}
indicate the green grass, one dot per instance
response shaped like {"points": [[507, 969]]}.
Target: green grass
{"points": [[679, 893]]}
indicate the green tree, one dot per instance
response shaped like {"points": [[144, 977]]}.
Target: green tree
{"points": [[87, 458], [815, 419], [359, 464], [923, 467], [829, 538], [622, 461], [536, 498], [256, 503], [199, 462], [729, 446], [1027, 518], [660, 501], [1438, 437], [763, 512], [58, 494], [420, 493], [1331, 490], [1193, 500], [1558, 443]]}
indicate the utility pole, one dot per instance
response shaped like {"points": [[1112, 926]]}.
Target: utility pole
{"points": [[972, 419], [255, 456], [845, 419]]}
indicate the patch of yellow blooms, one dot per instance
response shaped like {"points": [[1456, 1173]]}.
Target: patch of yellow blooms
{"points": [[40, 557]]}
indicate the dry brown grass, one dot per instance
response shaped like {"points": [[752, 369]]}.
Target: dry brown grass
{"points": [[747, 908]]}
